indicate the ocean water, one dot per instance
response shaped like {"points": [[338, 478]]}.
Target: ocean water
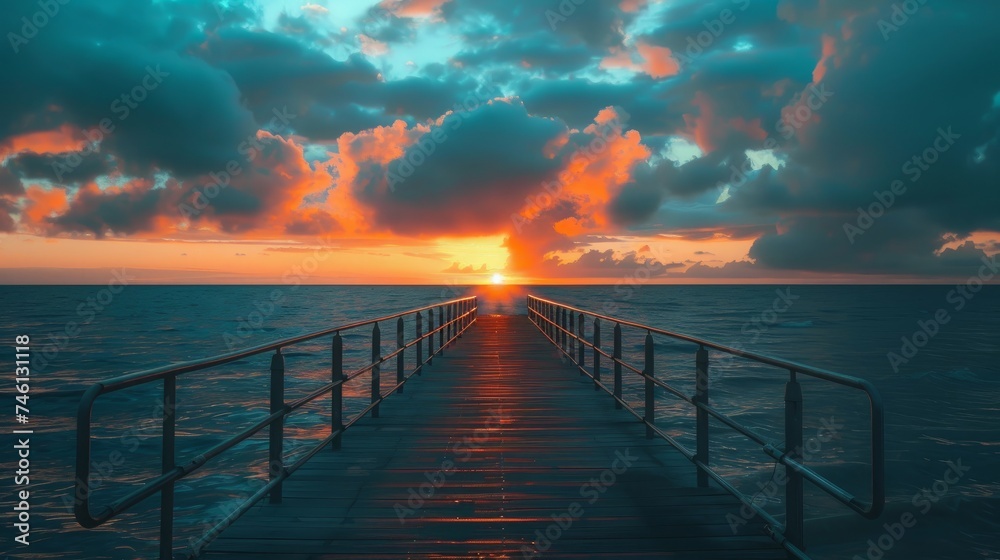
{"points": [[942, 396]]}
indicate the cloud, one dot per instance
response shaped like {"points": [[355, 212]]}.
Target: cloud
{"points": [[455, 268], [466, 173], [314, 10]]}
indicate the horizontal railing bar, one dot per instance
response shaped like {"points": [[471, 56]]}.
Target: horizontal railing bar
{"points": [[773, 524], [869, 510], [145, 376], [259, 495], [754, 436], [233, 516], [820, 481], [600, 384], [841, 495], [827, 375], [656, 381], [162, 481]]}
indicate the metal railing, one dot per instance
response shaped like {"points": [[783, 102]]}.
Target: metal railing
{"points": [[564, 326], [453, 318]]}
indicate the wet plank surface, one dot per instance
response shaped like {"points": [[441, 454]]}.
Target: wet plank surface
{"points": [[498, 450]]}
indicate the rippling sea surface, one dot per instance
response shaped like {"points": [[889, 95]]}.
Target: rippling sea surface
{"points": [[942, 398]]}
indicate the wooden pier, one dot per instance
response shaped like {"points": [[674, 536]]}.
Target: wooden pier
{"points": [[499, 450]]}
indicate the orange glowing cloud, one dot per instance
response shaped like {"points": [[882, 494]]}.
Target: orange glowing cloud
{"points": [[658, 61], [632, 6], [63, 139], [708, 129], [413, 8], [827, 58], [39, 204]]}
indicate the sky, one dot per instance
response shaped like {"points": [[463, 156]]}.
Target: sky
{"points": [[545, 141]]}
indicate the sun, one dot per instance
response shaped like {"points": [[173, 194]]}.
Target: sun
{"points": [[497, 278]]}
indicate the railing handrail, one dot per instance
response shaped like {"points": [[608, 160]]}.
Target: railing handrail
{"points": [[791, 539], [154, 374], [454, 317], [819, 373]]}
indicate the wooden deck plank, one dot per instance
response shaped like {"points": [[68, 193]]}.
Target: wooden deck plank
{"points": [[517, 437]]}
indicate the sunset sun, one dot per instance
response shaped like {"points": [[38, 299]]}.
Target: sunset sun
{"points": [[497, 278]]}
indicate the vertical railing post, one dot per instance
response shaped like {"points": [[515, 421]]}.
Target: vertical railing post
{"points": [[420, 343], [441, 329], [168, 463], [701, 422], [580, 327], [618, 365], [276, 431], [451, 322], [565, 324], [550, 325], [555, 328], [597, 352], [793, 450], [337, 395], [572, 337], [560, 325], [649, 413], [399, 357], [376, 392], [430, 337]]}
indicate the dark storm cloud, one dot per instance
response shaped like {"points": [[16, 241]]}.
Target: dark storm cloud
{"points": [[598, 24], [475, 170], [77, 74], [577, 101], [892, 99], [537, 51], [128, 211], [59, 169], [273, 70], [594, 263], [926, 93], [10, 183]]}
